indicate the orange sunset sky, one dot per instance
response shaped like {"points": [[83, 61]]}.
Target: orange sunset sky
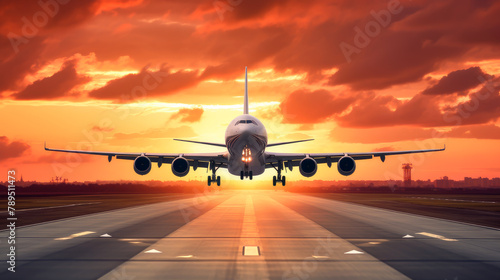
{"points": [[357, 76]]}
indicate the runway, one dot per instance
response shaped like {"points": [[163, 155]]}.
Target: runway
{"points": [[286, 236]]}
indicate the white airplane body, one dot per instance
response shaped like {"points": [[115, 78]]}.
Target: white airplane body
{"points": [[245, 155]]}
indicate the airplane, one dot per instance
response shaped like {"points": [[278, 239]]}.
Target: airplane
{"points": [[245, 154]]}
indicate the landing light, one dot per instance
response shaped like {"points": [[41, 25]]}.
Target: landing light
{"points": [[246, 155]]}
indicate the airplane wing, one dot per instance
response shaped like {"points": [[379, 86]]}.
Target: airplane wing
{"points": [[195, 159], [295, 158]]}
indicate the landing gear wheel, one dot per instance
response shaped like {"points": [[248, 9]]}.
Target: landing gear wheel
{"points": [[250, 175], [218, 181], [274, 181], [209, 181], [283, 180], [242, 174]]}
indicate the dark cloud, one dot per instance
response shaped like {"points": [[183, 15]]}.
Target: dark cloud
{"points": [[188, 115], [482, 107], [366, 110], [55, 86], [395, 57], [459, 81], [25, 16], [12, 149], [146, 83], [15, 66]]}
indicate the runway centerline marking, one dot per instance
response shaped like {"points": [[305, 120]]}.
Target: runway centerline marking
{"points": [[75, 235], [437, 236], [251, 251]]}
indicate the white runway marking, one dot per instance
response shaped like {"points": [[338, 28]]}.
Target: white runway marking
{"points": [[185, 257], [353, 252], [153, 251], [75, 235], [251, 251], [52, 207], [436, 236]]}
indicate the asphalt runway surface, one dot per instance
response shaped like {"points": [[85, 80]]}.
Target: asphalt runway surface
{"points": [[253, 235]]}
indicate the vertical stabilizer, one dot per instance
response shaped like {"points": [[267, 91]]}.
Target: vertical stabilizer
{"points": [[245, 106]]}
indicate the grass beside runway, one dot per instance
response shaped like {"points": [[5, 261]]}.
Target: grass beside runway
{"points": [[475, 209], [38, 209]]}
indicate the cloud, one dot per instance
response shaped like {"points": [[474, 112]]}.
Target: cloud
{"points": [[459, 81], [156, 133], [102, 128], [146, 83], [384, 149], [58, 85], [45, 16], [15, 66], [482, 106], [305, 106], [408, 133], [12, 149], [381, 135], [188, 115], [487, 131]]}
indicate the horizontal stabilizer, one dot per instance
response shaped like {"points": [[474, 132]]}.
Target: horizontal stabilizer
{"points": [[204, 143], [290, 142]]}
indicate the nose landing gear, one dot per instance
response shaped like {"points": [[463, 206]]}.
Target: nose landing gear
{"points": [[246, 174]]}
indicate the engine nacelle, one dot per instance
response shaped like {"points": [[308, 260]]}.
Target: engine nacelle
{"points": [[142, 165], [346, 165], [308, 167], [180, 167]]}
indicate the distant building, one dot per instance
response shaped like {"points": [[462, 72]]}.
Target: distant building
{"points": [[444, 183]]}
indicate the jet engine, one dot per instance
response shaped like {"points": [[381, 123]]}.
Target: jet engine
{"points": [[180, 167], [142, 165], [308, 167], [346, 165]]}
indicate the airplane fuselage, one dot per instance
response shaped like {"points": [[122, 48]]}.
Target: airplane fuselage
{"points": [[246, 140]]}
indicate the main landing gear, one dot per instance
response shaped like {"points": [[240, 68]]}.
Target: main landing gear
{"points": [[279, 178], [213, 178]]}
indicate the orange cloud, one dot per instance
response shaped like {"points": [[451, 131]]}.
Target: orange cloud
{"points": [[12, 149], [188, 115], [58, 85]]}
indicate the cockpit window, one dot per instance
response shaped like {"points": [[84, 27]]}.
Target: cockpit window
{"points": [[246, 121]]}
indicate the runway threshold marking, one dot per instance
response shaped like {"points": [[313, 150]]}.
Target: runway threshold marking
{"points": [[437, 236], [251, 251], [75, 235]]}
